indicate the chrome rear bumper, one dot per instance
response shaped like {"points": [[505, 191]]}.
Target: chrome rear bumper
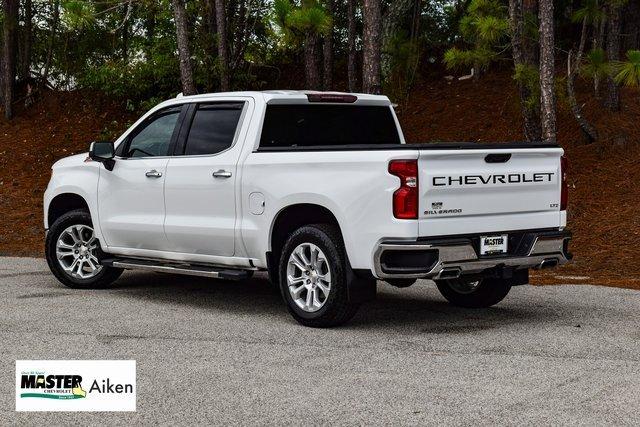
{"points": [[452, 258]]}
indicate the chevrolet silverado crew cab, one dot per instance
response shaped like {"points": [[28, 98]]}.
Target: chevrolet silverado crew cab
{"points": [[319, 189]]}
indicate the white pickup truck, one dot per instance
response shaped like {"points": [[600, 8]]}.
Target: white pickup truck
{"points": [[319, 189]]}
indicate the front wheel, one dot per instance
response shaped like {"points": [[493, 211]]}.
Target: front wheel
{"points": [[73, 253], [313, 279], [474, 294]]}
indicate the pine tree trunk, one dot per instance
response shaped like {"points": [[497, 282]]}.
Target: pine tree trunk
{"points": [[150, 30], [612, 97], [351, 45], [327, 48], [371, 51], [223, 49], [242, 31], [211, 51], [239, 27], [312, 75], [598, 42], [10, 39], [184, 55], [125, 32], [547, 72], [415, 21], [210, 17], [523, 56], [27, 41], [572, 71], [530, 48], [1, 71], [631, 25]]}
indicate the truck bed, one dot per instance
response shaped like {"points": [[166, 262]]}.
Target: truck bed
{"points": [[417, 146]]}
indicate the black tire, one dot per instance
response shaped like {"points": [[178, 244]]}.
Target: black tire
{"points": [[102, 279], [401, 283], [337, 308], [487, 293]]}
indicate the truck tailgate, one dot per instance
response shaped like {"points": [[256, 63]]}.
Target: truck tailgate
{"points": [[489, 190]]}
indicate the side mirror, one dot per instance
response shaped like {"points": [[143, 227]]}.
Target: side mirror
{"points": [[103, 152]]}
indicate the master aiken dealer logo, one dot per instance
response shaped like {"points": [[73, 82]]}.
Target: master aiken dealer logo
{"points": [[52, 386], [75, 385]]}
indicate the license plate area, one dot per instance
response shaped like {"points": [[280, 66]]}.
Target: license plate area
{"points": [[493, 245]]}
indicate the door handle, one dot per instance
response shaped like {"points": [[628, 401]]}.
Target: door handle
{"points": [[222, 174], [153, 174]]}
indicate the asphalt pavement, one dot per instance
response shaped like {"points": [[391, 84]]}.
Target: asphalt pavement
{"points": [[218, 352]]}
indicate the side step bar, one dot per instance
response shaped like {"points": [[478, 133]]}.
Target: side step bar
{"points": [[178, 268]]}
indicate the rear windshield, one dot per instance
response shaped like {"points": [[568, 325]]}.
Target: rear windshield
{"points": [[313, 125]]}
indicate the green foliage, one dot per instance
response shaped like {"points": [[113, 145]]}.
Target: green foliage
{"points": [[468, 28], [595, 65], [405, 56], [439, 25], [296, 21], [135, 82], [127, 49], [484, 28], [309, 19], [627, 72], [528, 76], [490, 29], [281, 10], [531, 26], [485, 8], [617, 3], [455, 58], [591, 12], [77, 14]]}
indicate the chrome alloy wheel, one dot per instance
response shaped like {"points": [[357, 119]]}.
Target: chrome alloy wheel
{"points": [[76, 252], [308, 277], [463, 287]]}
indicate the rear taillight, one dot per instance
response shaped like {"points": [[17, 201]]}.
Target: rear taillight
{"points": [[405, 198], [564, 192]]}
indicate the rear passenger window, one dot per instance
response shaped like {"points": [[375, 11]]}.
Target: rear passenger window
{"points": [[328, 125], [213, 128]]}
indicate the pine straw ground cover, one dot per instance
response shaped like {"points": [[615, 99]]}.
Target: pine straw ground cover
{"points": [[58, 125]]}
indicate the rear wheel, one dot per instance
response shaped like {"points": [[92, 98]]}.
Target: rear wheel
{"points": [[73, 253], [313, 279], [474, 293]]}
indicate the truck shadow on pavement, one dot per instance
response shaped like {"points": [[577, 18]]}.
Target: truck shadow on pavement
{"points": [[420, 305]]}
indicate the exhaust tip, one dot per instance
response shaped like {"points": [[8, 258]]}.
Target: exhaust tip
{"points": [[548, 263], [450, 273]]}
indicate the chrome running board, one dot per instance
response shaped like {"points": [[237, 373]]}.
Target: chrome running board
{"points": [[174, 268]]}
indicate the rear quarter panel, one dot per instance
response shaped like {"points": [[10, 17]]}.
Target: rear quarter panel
{"points": [[354, 185]]}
